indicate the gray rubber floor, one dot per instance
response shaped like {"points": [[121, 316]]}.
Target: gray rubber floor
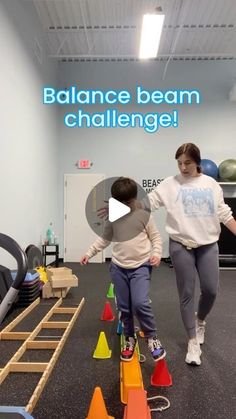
{"points": [[205, 392]]}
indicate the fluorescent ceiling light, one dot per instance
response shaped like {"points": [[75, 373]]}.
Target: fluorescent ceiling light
{"points": [[150, 35]]}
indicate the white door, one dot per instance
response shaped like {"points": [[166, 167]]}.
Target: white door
{"points": [[78, 235]]}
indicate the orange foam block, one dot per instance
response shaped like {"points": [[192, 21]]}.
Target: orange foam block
{"points": [[130, 377], [137, 406]]}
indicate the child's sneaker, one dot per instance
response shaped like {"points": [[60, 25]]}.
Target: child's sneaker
{"points": [[156, 349], [194, 352], [128, 349]]}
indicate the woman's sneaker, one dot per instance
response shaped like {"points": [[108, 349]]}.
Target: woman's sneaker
{"points": [[156, 349], [194, 352], [200, 331], [127, 351]]}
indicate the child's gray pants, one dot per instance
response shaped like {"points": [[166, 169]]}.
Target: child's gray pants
{"points": [[132, 295]]}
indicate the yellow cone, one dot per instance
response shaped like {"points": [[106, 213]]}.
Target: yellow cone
{"points": [[102, 350], [97, 409]]}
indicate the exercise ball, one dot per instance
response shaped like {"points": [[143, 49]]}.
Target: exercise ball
{"points": [[227, 170], [209, 168]]}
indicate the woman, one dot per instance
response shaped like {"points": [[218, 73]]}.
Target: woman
{"points": [[195, 208]]}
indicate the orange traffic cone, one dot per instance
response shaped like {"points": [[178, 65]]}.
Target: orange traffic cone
{"points": [[161, 376], [107, 313], [97, 409], [102, 350]]}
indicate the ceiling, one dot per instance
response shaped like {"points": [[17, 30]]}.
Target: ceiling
{"points": [[109, 30]]}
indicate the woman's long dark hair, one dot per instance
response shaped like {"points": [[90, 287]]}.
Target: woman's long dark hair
{"points": [[192, 151]]}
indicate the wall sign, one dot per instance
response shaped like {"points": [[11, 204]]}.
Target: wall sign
{"points": [[150, 184], [83, 164]]}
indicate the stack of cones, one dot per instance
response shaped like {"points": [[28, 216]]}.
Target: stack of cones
{"points": [[161, 376], [97, 409], [102, 350], [107, 313]]}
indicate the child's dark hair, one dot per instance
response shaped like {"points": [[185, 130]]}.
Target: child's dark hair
{"points": [[124, 189], [192, 151]]}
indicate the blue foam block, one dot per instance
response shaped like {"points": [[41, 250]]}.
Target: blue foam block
{"points": [[14, 412], [30, 276]]}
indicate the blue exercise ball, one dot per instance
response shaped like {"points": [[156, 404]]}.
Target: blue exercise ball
{"points": [[227, 170], [209, 168]]}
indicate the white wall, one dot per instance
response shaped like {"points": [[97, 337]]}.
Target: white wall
{"points": [[132, 151], [29, 131]]}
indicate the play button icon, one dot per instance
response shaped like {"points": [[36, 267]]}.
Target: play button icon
{"points": [[116, 210], [122, 222]]}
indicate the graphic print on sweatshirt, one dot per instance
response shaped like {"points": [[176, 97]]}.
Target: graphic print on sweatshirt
{"points": [[198, 202]]}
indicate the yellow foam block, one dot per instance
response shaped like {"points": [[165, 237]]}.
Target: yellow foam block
{"points": [[130, 377]]}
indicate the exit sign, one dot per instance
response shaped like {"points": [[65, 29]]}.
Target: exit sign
{"points": [[83, 164]]}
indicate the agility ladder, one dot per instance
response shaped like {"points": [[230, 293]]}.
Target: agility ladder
{"points": [[30, 343]]}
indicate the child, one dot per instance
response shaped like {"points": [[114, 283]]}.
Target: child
{"points": [[131, 267]]}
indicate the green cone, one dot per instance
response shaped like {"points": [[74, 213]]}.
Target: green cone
{"points": [[110, 293]]}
